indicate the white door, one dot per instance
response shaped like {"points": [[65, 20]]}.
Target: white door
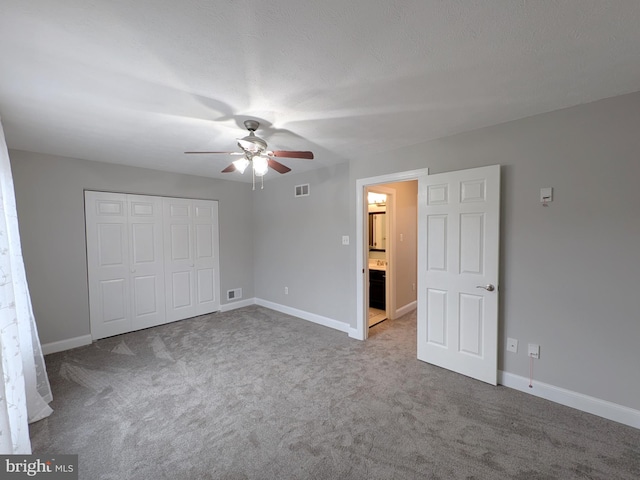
{"points": [[458, 255], [179, 258], [150, 260], [147, 261], [205, 250], [108, 263]]}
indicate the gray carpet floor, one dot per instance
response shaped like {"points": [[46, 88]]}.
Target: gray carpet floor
{"points": [[255, 394]]}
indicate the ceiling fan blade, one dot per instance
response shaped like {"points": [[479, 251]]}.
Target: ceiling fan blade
{"points": [[292, 154], [225, 153], [278, 167], [230, 168]]}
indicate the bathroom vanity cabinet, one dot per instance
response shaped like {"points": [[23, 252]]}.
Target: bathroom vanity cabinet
{"points": [[377, 289]]}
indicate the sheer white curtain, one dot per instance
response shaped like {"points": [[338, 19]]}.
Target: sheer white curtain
{"points": [[24, 386]]}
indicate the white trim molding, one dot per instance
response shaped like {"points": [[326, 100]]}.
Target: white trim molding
{"points": [[239, 304], [68, 344], [409, 307], [76, 342], [354, 333], [311, 317], [579, 401]]}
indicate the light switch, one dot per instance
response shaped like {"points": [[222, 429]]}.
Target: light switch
{"points": [[345, 239], [546, 195]]}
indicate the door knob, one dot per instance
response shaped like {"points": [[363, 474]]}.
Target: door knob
{"points": [[488, 288]]}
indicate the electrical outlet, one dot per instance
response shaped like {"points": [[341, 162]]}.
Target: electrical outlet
{"points": [[345, 239], [534, 350], [512, 345], [286, 290]]}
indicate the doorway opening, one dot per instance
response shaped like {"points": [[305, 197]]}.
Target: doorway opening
{"points": [[399, 249], [380, 245]]}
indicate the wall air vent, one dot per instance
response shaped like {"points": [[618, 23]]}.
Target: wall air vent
{"points": [[302, 190], [234, 294]]}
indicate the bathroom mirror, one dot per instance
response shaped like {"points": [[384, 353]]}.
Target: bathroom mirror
{"points": [[377, 231]]}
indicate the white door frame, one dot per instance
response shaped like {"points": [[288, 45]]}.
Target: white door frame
{"points": [[362, 320]]}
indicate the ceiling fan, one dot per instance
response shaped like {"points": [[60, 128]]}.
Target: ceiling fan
{"points": [[254, 152]]}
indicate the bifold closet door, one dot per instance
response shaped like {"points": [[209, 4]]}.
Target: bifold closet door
{"points": [[125, 262], [191, 257], [151, 260], [207, 274], [146, 261], [108, 264]]}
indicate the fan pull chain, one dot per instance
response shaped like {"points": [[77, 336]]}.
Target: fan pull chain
{"points": [[253, 175]]}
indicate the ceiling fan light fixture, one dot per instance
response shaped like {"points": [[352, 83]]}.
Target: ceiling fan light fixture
{"points": [[260, 166], [252, 144], [256, 156], [241, 164]]}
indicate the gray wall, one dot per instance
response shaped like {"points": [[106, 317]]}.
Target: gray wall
{"points": [[569, 272], [298, 242], [407, 250], [50, 201]]}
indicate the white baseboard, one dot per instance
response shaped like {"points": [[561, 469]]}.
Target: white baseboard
{"points": [[67, 344], [239, 304], [354, 333], [311, 317], [579, 401], [76, 342], [409, 307]]}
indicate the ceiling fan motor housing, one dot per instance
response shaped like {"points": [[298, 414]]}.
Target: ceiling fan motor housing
{"points": [[251, 143], [251, 125]]}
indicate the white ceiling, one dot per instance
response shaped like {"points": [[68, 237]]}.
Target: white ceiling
{"points": [[139, 82]]}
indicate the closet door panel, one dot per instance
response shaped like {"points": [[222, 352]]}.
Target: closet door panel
{"points": [[147, 261], [113, 296], [205, 284], [206, 256], [145, 297], [180, 242], [112, 251], [107, 263], [181, 293], [179, 258], [204, 242]]}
